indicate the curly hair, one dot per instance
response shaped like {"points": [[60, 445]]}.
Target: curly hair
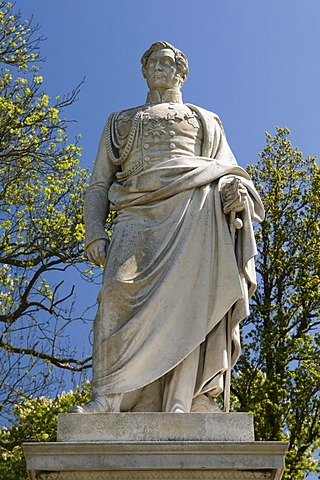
{"points": [[180, 58]]}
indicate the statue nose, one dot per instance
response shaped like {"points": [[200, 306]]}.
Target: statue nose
{"points": [[158, 65]]}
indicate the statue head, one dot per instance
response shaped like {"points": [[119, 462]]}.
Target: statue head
{"points": [[164, 66]]}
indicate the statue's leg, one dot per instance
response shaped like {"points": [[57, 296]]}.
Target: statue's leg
{"points": [[179, 384], [150, 398]]}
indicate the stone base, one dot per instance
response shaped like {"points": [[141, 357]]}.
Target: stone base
{"points": [[167, 447], [155, 427]]}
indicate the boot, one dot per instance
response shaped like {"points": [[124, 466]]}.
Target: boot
{"points": [[100, 404]]}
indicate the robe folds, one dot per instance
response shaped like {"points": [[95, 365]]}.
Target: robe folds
{"points": [[173, 272]]}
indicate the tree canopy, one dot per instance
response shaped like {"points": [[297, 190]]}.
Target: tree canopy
{"points": [[278, 376], [41, 226]]}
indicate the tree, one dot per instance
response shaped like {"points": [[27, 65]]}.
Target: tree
{"points": [[278, 376], [35, 420], [41, 226]]}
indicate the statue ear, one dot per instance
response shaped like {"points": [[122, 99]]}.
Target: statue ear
{"points": [[182, 78]]}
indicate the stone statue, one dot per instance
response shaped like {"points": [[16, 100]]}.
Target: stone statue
{"points": [[176, 281]]}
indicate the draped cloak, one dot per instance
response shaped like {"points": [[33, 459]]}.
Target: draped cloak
{"points": [[173, 270]]}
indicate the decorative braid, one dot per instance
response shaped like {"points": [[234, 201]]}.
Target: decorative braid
{"points": [[123, 157], [133, 169]]}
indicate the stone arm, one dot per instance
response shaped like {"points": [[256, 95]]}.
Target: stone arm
{"points": [[96, 204], [233, 192]]}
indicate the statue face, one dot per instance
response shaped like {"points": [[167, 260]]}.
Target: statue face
{"points": [[161, 70]]}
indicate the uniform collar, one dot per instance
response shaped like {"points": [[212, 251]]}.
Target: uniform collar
{"points": [[172, 95]]}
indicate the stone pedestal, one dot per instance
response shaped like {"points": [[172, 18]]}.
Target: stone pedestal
{"points": [[155, 446]]}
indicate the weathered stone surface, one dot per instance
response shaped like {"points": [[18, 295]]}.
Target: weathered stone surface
{"points": [[155, 446], [155, 460], [162, 475], [128, 427]]}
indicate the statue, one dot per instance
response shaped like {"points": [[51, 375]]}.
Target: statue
{"points": [[177, 279]]}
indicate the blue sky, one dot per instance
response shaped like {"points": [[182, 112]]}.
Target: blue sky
{"points": [[256, 63]]}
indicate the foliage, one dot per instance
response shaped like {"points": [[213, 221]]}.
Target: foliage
{"points": [[41, 226], [35, 420], [278, 376]]}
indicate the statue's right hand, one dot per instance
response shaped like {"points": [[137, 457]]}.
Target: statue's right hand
{"points": [[97, 251]]}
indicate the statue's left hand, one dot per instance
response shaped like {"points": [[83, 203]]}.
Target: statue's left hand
{"points": [[233, 196]]}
